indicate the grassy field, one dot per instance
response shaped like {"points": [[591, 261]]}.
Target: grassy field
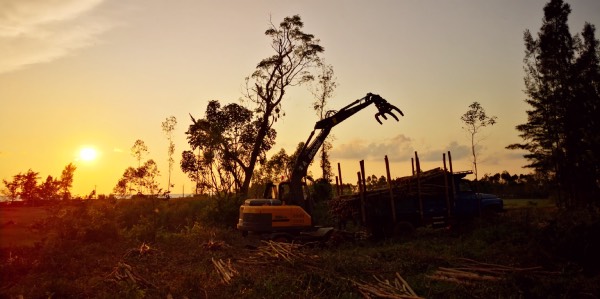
{"points": [[181, 249], [17, 225]]}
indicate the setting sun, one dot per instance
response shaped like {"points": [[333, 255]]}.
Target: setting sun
{"points": [[88, 154]]}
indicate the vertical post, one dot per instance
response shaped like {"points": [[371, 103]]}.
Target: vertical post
{"points": [[337, 186], [452, 175], [362, 199], [412, 162], [364, 184], [389, 183], [341, 182], [418, 164], [446, 187]]}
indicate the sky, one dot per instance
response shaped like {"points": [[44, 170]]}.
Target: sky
{"points": [[102, 74]]}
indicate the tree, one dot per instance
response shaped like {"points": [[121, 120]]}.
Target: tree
{"points": [[191, 165], [296, 52], [474, 120], [29, 185], [49, 189], [123, 186], [562, 91], [12, 188], [224, 139], [138, 150], [323, 91], [168, 126], [66, 181], [148, 174]]}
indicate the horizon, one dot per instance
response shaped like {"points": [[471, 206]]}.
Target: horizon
{"points": [[82, 81]]}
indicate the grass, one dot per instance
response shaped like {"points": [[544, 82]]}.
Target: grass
{"points": [[84, 248], [17, 227]]}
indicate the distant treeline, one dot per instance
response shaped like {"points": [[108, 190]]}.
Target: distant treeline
{"points": [[506, 185]]}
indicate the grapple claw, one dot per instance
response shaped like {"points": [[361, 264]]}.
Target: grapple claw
{"points": [[377, 118], [399, 111], [393, 115]]}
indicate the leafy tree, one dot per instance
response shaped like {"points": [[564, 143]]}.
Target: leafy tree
{"points": [[29, 185], [295, 53], [148, 174], [224, 139], [123, 186], [168, 126], [562, 89], [138, 150], [49, 189], [475, 119], [66, 181], [323, 91], [12, 188], [191, 165]]}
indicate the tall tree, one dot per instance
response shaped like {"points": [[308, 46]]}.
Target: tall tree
{"points": [[554, 81], [168, 126], [66, 181], [296, 52], [225, 139], [475, 119], [323, 91], [138, 150]]}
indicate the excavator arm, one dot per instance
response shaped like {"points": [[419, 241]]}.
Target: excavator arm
{"points": [[324, 126]]}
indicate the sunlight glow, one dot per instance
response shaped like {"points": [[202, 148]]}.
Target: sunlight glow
{"points": [[88, 154]]}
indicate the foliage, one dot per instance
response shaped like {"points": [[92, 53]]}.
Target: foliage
{"points": [[224, 139], [561, 80], [506, 185], [323, 91], [476, 119], [295, 53], [144, 177], [26, 186], [168, 126], [138, 150]]}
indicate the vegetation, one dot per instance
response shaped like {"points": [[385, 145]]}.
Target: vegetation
{"points": [[475, 119], [25, 186], [323, 91], [168, 126], [562, 75], [168, 248]]}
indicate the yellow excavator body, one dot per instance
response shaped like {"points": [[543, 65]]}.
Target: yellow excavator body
{"points": [[269, 215]]}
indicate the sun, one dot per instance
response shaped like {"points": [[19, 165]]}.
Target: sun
{"points": [[88, 154]]}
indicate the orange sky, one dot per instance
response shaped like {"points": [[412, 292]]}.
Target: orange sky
{"points": [[102, 74]]}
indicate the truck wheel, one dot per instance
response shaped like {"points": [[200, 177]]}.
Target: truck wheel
{"points": [[403, 229]]}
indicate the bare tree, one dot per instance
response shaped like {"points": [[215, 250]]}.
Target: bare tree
{"points": [[323, 91], [474, 120], [168, 126]]}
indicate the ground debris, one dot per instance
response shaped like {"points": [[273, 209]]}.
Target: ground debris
{"points": [[275, 252], [124, 272], [225, 270], [214, 245], [470, 271], [383, 288]]}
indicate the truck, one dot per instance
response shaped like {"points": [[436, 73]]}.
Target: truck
{"points": [[285, 211], [436, 198]]}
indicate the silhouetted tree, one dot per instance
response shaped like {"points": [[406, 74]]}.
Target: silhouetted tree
{"points": [[192, 165], [295, 53], [475, 119], [66, 181], [563, 94], [225, 139], [323, 91], [138, 150], [168, 126]]}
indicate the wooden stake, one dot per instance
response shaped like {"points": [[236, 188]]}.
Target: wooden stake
{"points": [[389, 183], [364, 193], [446, 187], [419, 184]]}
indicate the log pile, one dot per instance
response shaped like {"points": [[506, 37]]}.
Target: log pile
{"points": [[224, 269], [275, 252], [383, 288], [124, 272], [470, 272]]}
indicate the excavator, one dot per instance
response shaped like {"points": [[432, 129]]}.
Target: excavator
{"points": [[284, 212]]}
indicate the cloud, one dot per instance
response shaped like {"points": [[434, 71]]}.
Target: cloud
{"points": [[456, 150], [399, 147], [37, 31]]}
